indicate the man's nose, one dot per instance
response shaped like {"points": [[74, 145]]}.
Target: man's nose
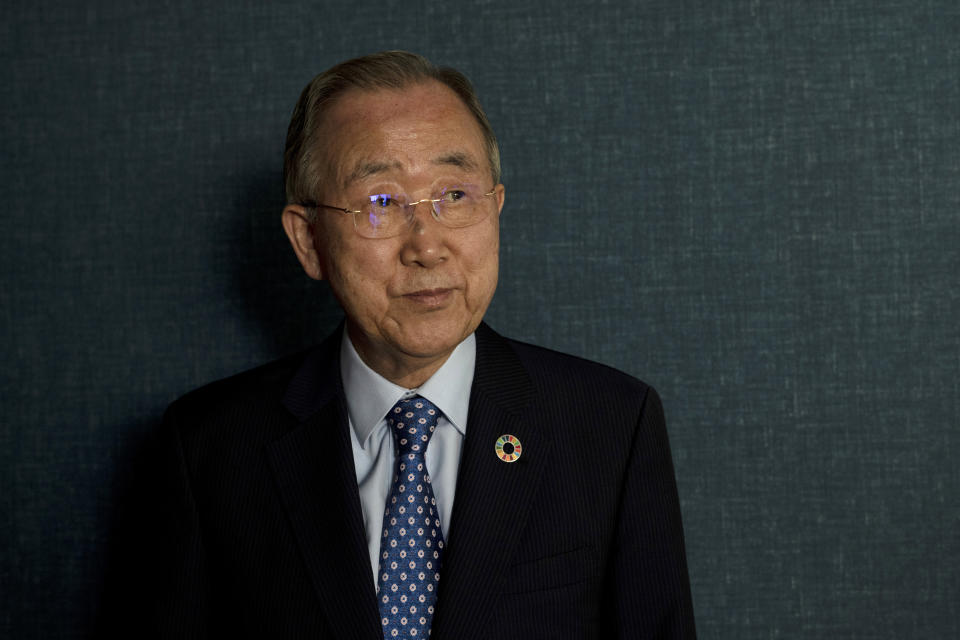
{"points": [[424, 243]]}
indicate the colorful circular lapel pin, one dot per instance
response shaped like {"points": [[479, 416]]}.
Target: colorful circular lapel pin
{"points": [[508, 448]]}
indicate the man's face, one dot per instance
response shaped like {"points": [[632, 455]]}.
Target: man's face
{"points": [[413, 297]]}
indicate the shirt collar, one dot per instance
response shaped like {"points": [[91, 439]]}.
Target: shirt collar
{"points": [[370, 396]]}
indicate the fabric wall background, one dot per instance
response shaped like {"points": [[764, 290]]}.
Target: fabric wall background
{"points": [[754, 206]]}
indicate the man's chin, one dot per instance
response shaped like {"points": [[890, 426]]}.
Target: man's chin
{"points": [[429, 348], [430, 341], [417, 343]]}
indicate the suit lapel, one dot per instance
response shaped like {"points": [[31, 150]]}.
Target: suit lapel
{"points": [[313, 465], [492, 496]]}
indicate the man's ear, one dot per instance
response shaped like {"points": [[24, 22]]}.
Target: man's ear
{"points": [[500, 194], [296, 222]]}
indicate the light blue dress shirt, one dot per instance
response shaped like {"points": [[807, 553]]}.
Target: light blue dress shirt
{"points": [[369, 397]]}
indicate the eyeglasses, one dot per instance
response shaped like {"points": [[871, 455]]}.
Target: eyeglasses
{"points": [[385, 215]]}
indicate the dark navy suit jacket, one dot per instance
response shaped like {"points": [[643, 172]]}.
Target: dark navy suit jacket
{"points": [[256, 527]]}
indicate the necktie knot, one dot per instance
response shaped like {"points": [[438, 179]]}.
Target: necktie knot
{"points": [[413, 420]]}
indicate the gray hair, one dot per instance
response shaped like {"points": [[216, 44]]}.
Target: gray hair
{"points": [[385, 70]]}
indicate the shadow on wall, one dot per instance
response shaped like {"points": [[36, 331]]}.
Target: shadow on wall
{"points": [[287, 310]]}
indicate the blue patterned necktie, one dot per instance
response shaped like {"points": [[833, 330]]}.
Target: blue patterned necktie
{"points": [[412, 542]]}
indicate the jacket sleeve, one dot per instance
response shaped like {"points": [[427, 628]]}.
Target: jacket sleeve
{"points": [[180, 602], [159, 587], [648, 591]]}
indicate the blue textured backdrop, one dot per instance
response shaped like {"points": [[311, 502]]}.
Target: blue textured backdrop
{"points": [[754, 206]]}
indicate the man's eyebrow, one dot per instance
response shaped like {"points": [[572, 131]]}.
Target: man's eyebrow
{"points": [[457, 159], [366, 169]]}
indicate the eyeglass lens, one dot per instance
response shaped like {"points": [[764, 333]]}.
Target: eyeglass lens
{"points": [[386, 214]]}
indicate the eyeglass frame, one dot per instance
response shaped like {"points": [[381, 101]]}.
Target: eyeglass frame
{"points": [[411, 206]]}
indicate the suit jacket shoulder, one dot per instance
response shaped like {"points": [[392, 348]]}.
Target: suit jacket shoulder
{"points": [[256, 406], [266, 383], [552, 368], [551, 382]]}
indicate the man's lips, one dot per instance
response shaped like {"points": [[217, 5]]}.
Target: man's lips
{"points": [[430, 297]]}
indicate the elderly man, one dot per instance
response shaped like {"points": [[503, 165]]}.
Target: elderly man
{"points": [[416, 474]]}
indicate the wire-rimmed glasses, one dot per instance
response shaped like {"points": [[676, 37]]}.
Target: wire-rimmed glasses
{"points": [[384, 215]]}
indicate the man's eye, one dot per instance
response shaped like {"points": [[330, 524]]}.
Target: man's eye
{"points": [[382, 200], [453, 195]]}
